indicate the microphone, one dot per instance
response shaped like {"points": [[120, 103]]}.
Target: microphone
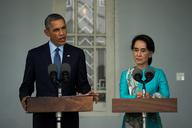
{"points": [[65, 72], [149, 74], [52, 70], [137, 75]]}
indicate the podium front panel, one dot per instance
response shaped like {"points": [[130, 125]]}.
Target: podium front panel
{"points": [[60, 104], [144, 105]]}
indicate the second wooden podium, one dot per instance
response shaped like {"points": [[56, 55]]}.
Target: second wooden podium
{"points": [[144, 105]]}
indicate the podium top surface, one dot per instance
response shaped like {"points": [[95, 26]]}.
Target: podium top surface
{"points": [[60, 104], [144, 105]]}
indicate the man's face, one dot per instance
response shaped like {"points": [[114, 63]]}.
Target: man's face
{"points": [[57, 32]]}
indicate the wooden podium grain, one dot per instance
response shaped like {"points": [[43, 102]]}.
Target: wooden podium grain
{"points": [[144, 105], [60, 104]]}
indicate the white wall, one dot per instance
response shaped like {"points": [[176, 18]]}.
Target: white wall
{"points": [[21, 23], [168, 22]]}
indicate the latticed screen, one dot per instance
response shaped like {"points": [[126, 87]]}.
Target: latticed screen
{"points": [[86, 26]]}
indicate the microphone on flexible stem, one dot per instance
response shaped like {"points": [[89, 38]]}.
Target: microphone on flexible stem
{"points": [[149, 74], [65, 73], [137, 75], [52, 70]]}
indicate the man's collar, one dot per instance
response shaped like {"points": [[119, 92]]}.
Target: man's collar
{"points": [[53, 47]]}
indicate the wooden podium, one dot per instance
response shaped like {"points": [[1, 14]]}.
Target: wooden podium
{"points": [[144, 105], [60, 104]]}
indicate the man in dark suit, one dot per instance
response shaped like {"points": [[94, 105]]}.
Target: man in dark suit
{"points": [[36, 71]]}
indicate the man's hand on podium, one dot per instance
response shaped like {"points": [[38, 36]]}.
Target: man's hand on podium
{"points": [[92, 93], [24, 103]]}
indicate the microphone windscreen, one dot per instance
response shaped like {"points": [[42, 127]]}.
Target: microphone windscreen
{"points": [[65, 67], [149, 74], [137, 74], [66, 70], [52, 68]]}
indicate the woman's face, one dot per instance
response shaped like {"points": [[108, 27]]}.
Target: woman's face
{"points": [[141, 54]]}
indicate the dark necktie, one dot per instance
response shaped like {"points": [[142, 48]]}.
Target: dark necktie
{"points": [[57, 62]]}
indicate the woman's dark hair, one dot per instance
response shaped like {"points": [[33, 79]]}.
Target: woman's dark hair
{"points": [[149, 43]]}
